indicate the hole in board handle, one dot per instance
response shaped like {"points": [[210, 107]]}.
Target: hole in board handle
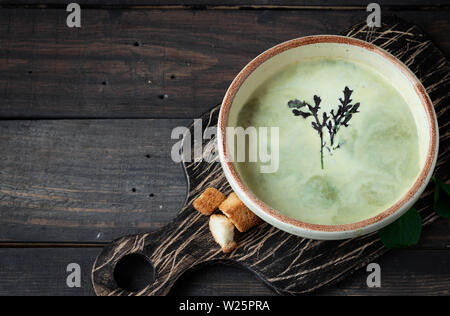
{"points": [[134, 272]]}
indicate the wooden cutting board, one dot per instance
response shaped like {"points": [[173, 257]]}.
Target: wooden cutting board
{"points": [[286, 263]]}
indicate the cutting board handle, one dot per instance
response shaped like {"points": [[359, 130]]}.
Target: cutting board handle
{"points": [[171, 251]]}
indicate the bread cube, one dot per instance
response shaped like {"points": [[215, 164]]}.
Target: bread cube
{"points": [[209, 201], [222, 230], [239, 214]]}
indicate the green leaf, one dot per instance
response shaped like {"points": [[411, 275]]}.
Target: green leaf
{"points": [[442, 198], [404, 232]]}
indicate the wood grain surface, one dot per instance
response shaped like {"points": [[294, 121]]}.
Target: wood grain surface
{"points": [[149, 63], [273, 4], [87, 180], [43, 272], [103, 71], [73, 181]]}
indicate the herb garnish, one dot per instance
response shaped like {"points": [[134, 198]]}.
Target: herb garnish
{"points": [[407, 229], [333, 121], [343, 115], [313, 111], [404, 232]]}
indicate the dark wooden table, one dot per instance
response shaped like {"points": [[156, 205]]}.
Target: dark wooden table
{"points": [[86, 120]]}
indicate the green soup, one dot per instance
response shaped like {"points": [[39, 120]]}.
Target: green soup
{"points": [[378, 156]]}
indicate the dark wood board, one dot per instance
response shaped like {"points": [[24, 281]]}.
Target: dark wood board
{"points": [[402, 273], [199, 4], [74, 180], [286, 263], [43, 272], [50, 71]]}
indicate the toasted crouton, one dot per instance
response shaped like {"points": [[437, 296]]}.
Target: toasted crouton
{"points": [[239, 214], [222, 230], [209, 201]]}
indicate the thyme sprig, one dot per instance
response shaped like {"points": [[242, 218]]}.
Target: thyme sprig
{"points": [[332, 122]]}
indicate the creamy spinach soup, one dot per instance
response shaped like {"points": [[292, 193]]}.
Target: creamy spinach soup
{"points": [[372, 161]]}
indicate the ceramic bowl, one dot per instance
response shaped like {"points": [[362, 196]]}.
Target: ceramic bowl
{"points": [[330, 46]]}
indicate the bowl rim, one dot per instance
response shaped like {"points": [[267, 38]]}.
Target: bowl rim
{"points": [[396, 210]]}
